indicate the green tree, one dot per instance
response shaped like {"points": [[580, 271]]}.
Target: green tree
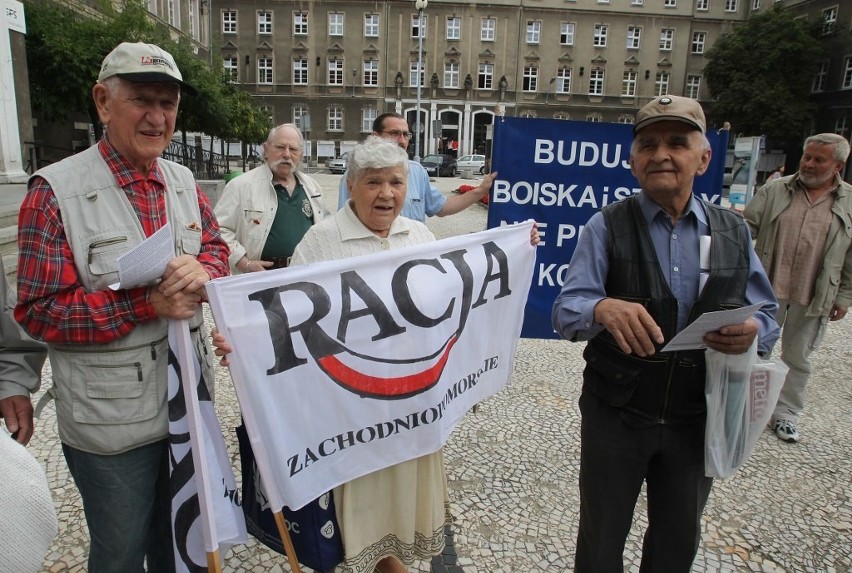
{"points": [[65, 49], [760, 75]]}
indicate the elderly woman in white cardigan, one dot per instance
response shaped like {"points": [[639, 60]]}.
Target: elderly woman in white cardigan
{"points": [[395, 515]]}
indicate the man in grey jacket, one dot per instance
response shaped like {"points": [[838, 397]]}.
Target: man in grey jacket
{"points": [[802, 226], [21, 359]]}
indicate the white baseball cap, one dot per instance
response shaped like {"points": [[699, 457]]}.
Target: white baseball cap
{"points": [[143, 63]]}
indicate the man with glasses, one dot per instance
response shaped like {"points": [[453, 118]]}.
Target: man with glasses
{"points": [[422, 198], [264, 213]]}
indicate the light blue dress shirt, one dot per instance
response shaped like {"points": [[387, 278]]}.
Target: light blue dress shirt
{"points": [[677, 249], [421, 198]]}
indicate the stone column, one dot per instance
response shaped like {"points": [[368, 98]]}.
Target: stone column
{"points": [[11, 164]]}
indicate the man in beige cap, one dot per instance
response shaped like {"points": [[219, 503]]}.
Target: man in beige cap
{"points": [[108, 348], [643, 269]]}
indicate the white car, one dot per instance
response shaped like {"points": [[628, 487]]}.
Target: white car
{"points": [[338, 164], [475, 163]]}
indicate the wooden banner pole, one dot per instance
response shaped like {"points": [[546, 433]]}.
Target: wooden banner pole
{"points": [[214, 563], [288, 543]]}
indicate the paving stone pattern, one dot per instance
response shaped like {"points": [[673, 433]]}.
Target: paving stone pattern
{"points": [[513, 467]]}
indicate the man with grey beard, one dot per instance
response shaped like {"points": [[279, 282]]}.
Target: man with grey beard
{"points": [[801, 225], [264, 213]]}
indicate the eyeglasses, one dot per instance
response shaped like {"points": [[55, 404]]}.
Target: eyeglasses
{"points": [[396, 134]]}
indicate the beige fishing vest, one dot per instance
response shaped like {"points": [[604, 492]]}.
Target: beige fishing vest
{"points": [[112, 397]]}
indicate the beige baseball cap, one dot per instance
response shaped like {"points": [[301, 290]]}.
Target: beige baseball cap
{"points": [[142, 63], [671, 108]]}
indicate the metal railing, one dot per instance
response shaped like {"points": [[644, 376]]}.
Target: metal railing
{"points": [[203, 163]]}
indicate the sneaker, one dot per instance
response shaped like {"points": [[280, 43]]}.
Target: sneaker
{"points": [[786, 431]]}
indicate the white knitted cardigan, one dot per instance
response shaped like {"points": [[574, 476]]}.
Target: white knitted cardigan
{"points": [[27, 517]]}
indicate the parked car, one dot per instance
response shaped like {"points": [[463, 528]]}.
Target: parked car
{"points": [[338, 164], [439, 165], [475, 163]]}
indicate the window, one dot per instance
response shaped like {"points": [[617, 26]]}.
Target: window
{"points": [[416, 32], [533, 31], [335, 72], [669, 3], [489, 26], [335, 118], [563, 81], [300, 111], [693, 86], [637, 2], [267, 111], [628, 84], [485, 76], [300, 23], [335, 24], [601, 31], [453, 28], [451, 75], [755, 5], [194, 24], [818, 83], [371, 25], [847, 74], [596, 82], [625, 119], [702, 5], [232, 68], [661, 84], [173, 10], [300, 71], [633, 35], [264, 69], [731, 5], [229, 21], [368, 116], [264, 22], [566, 33], [698, 41], [829, 20], [371, 72], [412, 74], [666, 39], [594, 117], [840, 125], [530, 78]]}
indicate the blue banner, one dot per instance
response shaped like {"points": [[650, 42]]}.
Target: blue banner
{"points": [[560, 173]]}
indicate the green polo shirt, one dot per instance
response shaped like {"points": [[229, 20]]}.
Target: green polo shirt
{"points": [[292, 220]]}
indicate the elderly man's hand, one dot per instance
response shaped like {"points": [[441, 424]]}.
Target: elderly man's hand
{"points": [[221, 347], [837, 312], [183, 273], [482, 189], [180, 305], [733, 339], [630, 324], [17, 412]]}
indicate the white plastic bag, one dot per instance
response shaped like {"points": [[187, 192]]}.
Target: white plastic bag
{"points": [[741, 392]]}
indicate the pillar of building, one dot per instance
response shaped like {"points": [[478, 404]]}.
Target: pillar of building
{"points": [[11, 164]]}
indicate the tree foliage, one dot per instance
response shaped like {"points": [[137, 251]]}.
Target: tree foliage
{"points": [[65, 49], [760, 75]]}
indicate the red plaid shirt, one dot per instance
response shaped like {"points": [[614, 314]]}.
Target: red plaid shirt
{"points": [[52, 304]]}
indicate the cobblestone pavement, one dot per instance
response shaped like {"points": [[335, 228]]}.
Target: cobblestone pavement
{"points": [[513, 469]]}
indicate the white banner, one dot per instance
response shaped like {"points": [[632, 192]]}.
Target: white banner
{"points": [[345, 367], [206, 511]]}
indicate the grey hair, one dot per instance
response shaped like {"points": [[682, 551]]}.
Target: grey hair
{"points": [[841, 145], [375, 153], [283, 125], [112, 83]]}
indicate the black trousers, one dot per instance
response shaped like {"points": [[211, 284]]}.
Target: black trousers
{"points": [[615, 459]]}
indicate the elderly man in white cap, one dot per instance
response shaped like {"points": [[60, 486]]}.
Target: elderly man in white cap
{"points": [[108, 348], [634, 282]]}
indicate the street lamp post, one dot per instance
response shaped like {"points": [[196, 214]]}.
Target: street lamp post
{"points": [[420, 5]]}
